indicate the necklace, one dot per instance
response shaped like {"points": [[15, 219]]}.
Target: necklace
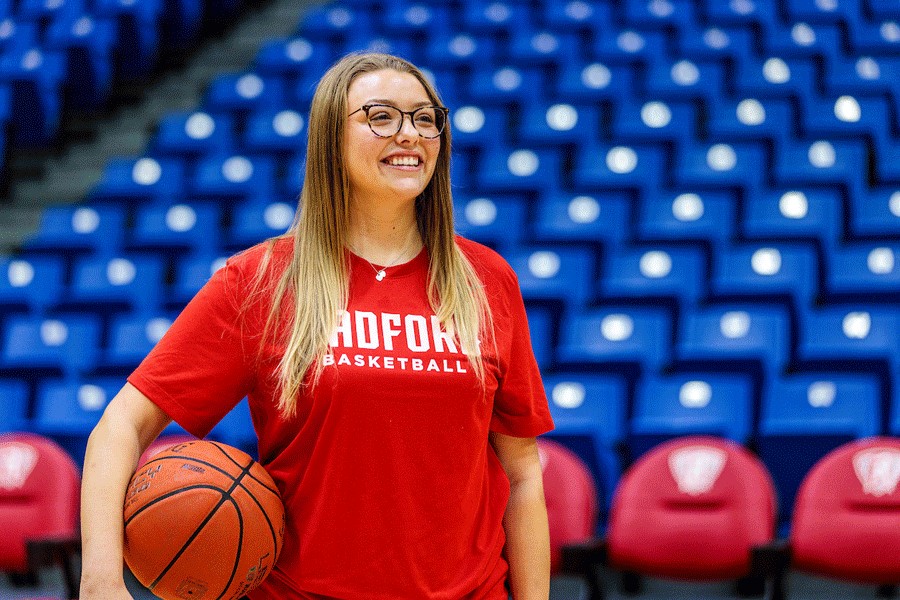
{"points": [[380, 274]]}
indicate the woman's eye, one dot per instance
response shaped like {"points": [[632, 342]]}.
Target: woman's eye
{"points": [[381, 116]]}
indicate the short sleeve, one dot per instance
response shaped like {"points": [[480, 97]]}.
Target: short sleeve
{"points": [[520, 404], [199, 370]]}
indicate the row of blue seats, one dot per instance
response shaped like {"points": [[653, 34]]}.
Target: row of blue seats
{"points": [[791, 272], [69, 53], [342, 22], [764, 339], [800, 417]]}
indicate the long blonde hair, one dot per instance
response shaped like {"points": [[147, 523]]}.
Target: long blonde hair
{"points": [[316, 278]]}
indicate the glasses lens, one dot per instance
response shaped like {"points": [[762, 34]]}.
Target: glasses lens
{"points": [[384, 120], [429, 122]]}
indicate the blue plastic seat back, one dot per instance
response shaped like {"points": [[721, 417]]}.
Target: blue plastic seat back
{"points": [[190, 134], [789, 215], [846, 334], [583, 218], [191, 274], [66, 229], [617, 337], [765, 273], [870, 271], [132, 336], [256, 221], [499, 221], [552, 273], [109, 283], [62, 345], [176, 228], [649, 274], [31, 283], [687, 216], [14, 394]]}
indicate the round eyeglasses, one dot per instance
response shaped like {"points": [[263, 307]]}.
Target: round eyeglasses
{"points": [[386, 120]]}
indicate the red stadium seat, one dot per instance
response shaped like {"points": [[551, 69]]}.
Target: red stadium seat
{"points": [[39, 506], [847, 514], [571, 497], [694, 508]]}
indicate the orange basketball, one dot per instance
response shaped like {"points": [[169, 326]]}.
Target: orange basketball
{"points": [[202, 520]]}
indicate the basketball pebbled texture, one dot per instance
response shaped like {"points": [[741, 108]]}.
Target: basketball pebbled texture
{"points": [[203, 520]]}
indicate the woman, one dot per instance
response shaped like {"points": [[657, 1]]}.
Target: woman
{"points": [[388, 368]]}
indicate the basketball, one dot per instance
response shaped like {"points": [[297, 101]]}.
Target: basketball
{"points": [[202, 520]]}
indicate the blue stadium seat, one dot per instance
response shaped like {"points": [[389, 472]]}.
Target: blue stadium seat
{"points": [[766, 273], [659, 15], [870, 271], [36, 79], [139, 180], [888, 163], [44, 13], [802, 39], [138, 24], [750, 338], [589, 414], [33, 346], [498, 221], [175, 228], [582, 218], [606, 167], [549, 125], [692, 403], [883, 9], [822, 163], [708, 216], [874, 38], [457, 49], [876, 213], [508, 169], [650, 274], [402, 19], [359, 41], [478, 127], [715, 42], [576, 16], [722, 165], [860, 335], [807, 214], [593, 82], [333, 23], [628, 46], [751, 119], [31, 283], [13, 406], [846, 117], [563, 275], [823, 12], [755, 12], [806, 415], [496, 17], [239, 93], [775, 77], [191, 273], [131, 337], [255, 221], [291, 59], [193, 133], [861, 75], [73, 229], [541, 326], [543, 47], [617, 337], [506, 85], [686, 80], [277, 132], [235, 177], [88, 45], [107, 284], [67, 410], [654, 121]]}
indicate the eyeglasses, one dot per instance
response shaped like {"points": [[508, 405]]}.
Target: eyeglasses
{"points": [[386, 120]]}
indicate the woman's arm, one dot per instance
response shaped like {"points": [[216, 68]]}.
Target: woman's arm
{"points": [[128, 425], [525, 522]]}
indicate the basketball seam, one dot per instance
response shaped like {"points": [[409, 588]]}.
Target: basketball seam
{"points": [[219, 469], [226, 496]]}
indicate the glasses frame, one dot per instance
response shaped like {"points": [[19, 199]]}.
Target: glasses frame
{"points": [[412, 118]]}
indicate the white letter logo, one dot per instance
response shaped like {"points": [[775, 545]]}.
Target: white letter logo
{"points": [[696, 468], [878, 470], [17, 461]]}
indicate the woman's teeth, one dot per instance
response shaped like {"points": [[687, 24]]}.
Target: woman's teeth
{"points": [[404, 161]]}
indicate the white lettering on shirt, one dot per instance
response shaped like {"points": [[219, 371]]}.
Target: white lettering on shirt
{"points": [[366, 330], [416, 324]]}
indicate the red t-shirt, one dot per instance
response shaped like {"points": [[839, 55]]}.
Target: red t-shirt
{"points": [[391, 488]]}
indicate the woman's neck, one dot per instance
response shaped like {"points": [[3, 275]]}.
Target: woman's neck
{"points": [[384, 234]]}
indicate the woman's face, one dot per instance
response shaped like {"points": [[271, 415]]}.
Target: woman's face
{"points": [[397, 167]]}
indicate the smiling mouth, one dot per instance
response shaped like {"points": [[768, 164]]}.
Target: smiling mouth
{"points": [[402, 161]]}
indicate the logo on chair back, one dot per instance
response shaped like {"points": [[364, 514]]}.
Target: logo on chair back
{"points": [[878, 470], [696, 468], [17, 461]]}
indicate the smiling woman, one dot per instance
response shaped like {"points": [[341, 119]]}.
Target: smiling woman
{"points": [[387, 364]]}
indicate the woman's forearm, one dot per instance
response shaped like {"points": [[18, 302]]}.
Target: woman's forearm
{"points": [[528, 541]]}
